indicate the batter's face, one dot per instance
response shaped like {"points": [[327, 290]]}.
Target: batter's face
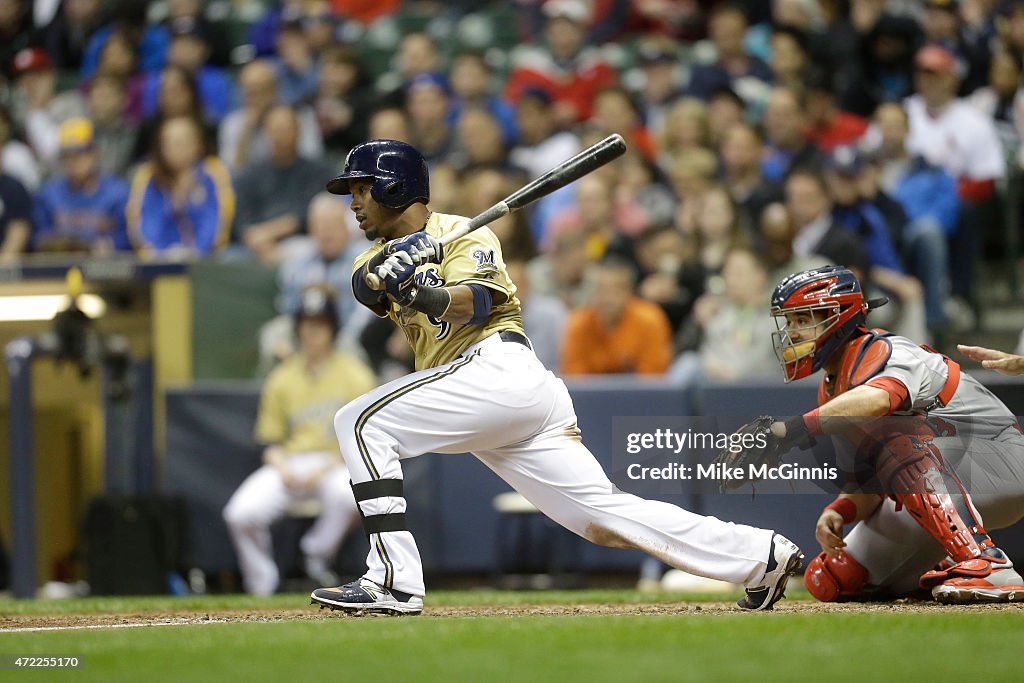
{"points": [[375, 221]]}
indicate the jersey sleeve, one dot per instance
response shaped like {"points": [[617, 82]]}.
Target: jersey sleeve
{"points": [[381, 310], [476, 259], [914, 372], [899, 397]]}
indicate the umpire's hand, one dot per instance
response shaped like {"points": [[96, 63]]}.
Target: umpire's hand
{"points": [[1000, 361]]}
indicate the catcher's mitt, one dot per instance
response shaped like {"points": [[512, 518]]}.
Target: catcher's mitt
{"points": [[754, 444]]}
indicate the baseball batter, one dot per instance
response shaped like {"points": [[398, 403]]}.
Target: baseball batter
{"points": [[480, 388], [954, 460], [301, 459]]}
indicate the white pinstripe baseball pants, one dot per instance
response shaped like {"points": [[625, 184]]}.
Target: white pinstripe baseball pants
{"points": [[498, 402]]}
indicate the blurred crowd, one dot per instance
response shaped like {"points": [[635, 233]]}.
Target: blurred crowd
{"points": [[764, 138]]}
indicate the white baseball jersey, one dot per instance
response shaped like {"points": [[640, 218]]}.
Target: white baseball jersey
{"points": [[960, 139], [495, 399]]}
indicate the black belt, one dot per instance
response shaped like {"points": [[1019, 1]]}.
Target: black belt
{"points": [[510, 336]]}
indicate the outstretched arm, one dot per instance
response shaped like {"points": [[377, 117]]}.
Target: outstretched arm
{"points": [[844, 411]]}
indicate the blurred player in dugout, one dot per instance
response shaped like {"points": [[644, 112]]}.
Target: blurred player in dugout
{"points": [[301, 460]]}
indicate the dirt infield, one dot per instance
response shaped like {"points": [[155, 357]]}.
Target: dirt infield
{"points": [[21, 622]]}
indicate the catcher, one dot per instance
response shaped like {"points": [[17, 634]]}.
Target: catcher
{"points": [[923, 529]]}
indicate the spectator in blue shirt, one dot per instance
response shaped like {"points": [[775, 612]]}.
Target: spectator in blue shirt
{"points": [[926, 192], [181, 203], [865, 220], [786, 148], [297, 70], [928, 196], [263, 32], [190, 50], [851, 211], [471, 79], [81, 210], [129, 19]]}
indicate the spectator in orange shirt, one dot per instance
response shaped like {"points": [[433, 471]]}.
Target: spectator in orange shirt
{"points": [[617, 332]]}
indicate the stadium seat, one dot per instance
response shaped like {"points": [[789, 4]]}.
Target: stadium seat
{"points": [[531, 550]]}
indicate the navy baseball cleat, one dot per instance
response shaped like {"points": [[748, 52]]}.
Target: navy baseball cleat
{"points": [[365, 596], [785, 560]]}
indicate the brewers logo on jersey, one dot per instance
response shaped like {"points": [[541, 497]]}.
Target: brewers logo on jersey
{"points": [[475, 258]]}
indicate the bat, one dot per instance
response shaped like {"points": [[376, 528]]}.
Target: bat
{"points": [[568, 171]]}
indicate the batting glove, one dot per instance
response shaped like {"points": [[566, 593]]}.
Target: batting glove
{"points": [[397, 274], [421, 248]]}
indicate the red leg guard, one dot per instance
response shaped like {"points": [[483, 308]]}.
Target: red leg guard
{"points": [[914, 474], [831, 578]]}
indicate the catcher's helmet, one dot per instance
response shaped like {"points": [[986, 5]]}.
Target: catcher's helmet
{"points": [[318, 301], [398, 170], [833, 290]]}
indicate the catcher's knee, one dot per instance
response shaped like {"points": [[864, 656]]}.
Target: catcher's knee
{"points": [[830, 578], [905, 460]]}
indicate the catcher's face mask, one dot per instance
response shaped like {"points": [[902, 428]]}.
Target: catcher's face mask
{"points": [[797, 335]]}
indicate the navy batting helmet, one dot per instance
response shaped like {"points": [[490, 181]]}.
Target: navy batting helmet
{"points": [[831, 292], [398, 171]]}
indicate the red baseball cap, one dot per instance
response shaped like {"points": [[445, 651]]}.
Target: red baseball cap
{"points": [[30, 59], [936, 58]]}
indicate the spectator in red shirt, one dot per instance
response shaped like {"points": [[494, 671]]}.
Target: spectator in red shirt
{"points": [[569, 72], [615, 111], [365, 11], [827, 126]]}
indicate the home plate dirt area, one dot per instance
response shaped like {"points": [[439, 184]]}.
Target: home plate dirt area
{"points": [[130, 619]]}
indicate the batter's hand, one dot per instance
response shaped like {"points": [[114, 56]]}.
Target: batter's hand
{"points": [[397, 275], [829, 532], [1006, 363], [421, 248]]}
